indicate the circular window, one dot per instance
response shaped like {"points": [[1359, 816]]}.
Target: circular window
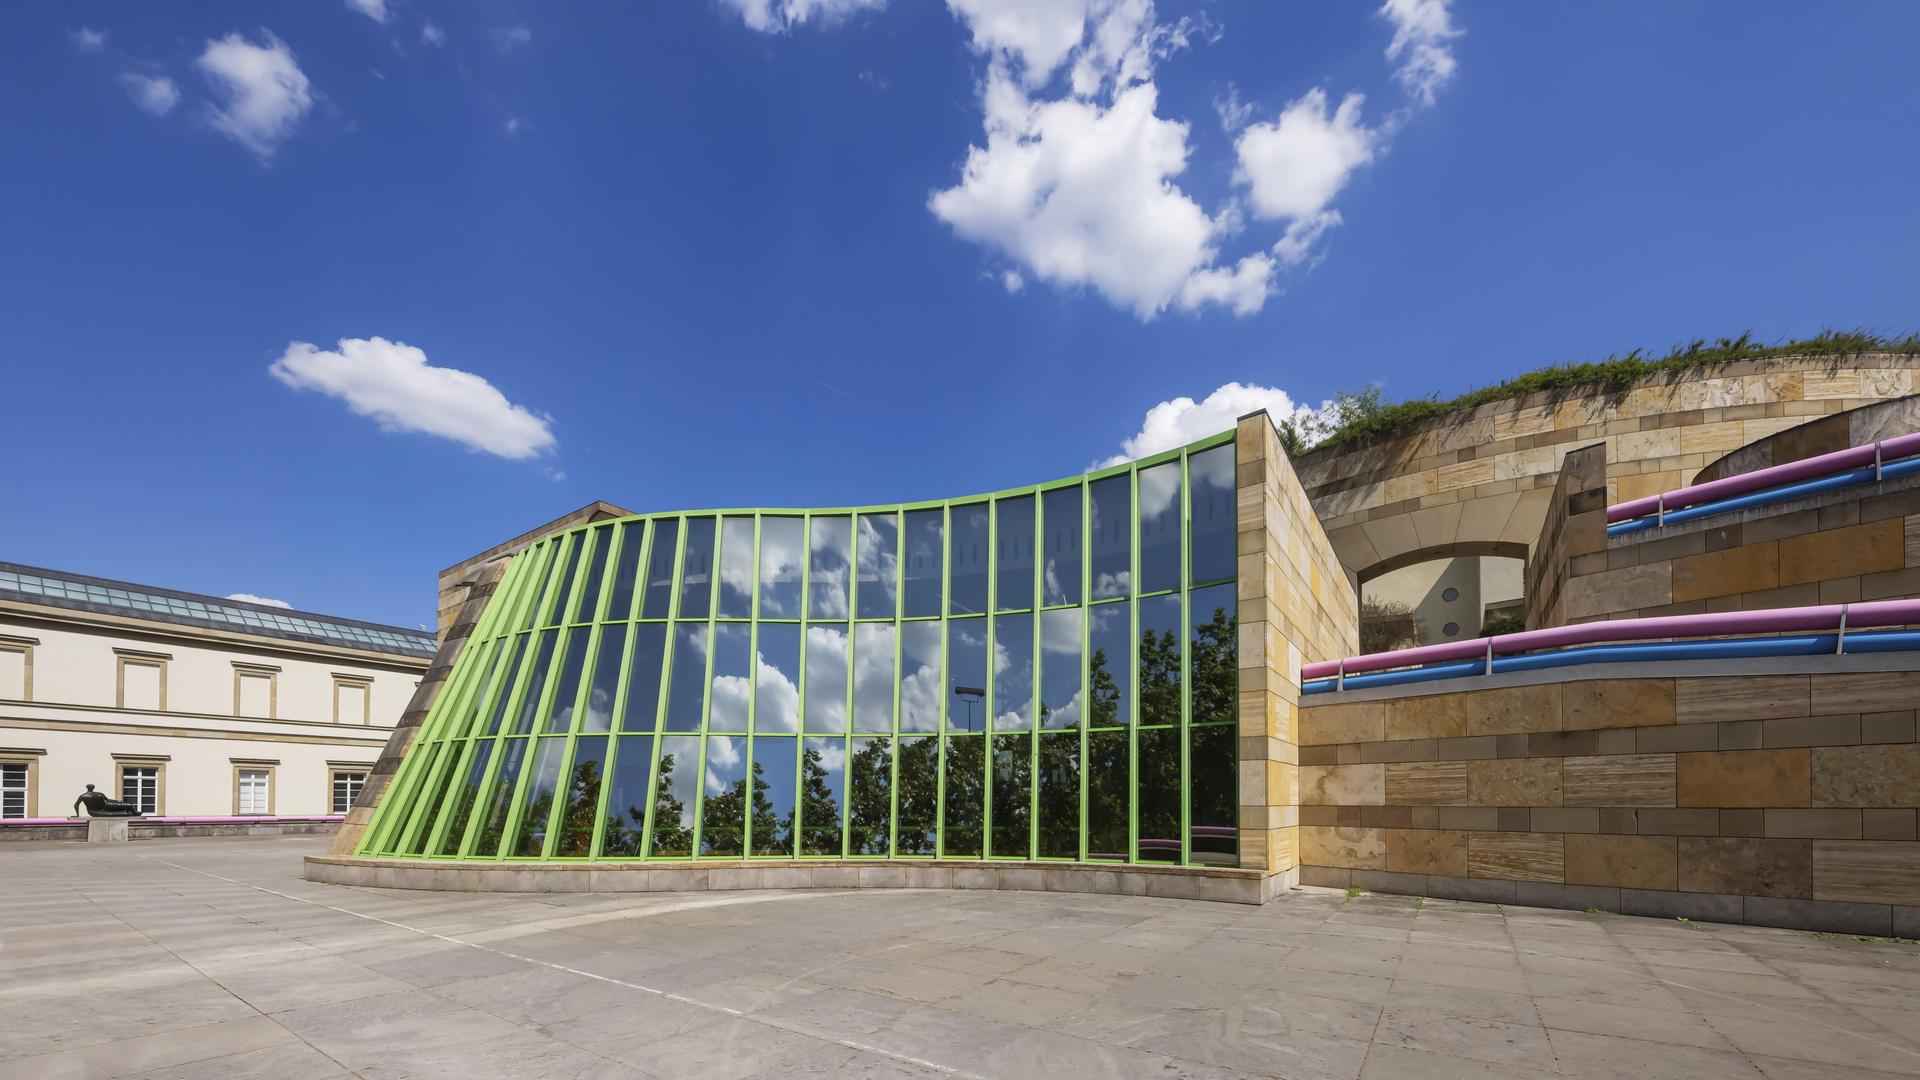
{"points": [[1450, 629], [1450, 595]]}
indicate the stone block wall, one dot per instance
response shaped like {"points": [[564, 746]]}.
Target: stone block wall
{"points": [[1576, 525], [1297, 606], [1855, 427], [1774, 799]]}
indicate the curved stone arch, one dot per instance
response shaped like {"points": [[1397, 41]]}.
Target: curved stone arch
{"points": [[1491, 549], [1822, 435]]}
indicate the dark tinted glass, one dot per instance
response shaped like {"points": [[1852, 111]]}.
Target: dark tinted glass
{"points": [[676, 788], [1210, 532], [659, 598], [967, 556], [1107, 784], [464, 798], [499, 799], [961, 829], [554, 607], [606, 678], [689, 679], [869, 795], [587, 607], [1012, 779], [643, 678], [626, 571], [626, 814], [696, 570], [918, 806], [1160, 636], [1013, 544], [1158, 795], [966, 675], [573, 661], [1109, 665], [921, 593], [1213, 812], [773, 803], [1060, 700], [580, 797], [1111, 502], [536, 682], [823, 771], [444, 770], [1060, 546], [1160, 527], [1059, 796], [1013, 679], [1214, 671]]}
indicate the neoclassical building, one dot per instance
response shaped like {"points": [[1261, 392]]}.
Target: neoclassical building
{"points": [[1138, 679]]}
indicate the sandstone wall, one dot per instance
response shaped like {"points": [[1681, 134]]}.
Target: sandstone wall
{"points": [[1776, 799], [1856, 427]]}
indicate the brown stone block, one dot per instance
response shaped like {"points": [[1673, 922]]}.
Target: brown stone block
{"points": [[1866, 871], [1319, 815], [1888, 825], [1865, 691], [1351, 848], [1630, 862], [1740, 734], [1887, 727], [1343, 785], [1618, 780], [1509, 709], [1912, 544], [1618, 590], [1357, 722], [1744, 778], [1616, 703], [1517, 856], [1814, 824], [1472, 818], [1619, 820], [1810, 731], [1571, 819], [1437, 783], [1714, 699], [1655, 821], [1746, 867], [1432, 716], [1426, 851], [1838, 553], [1514, 782], [1883, 775], [1676, 739], [1743, 821], [1729, 572], [1891, 585]]}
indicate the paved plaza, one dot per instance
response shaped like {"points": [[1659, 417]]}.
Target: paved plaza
{"points": [[214, 958]]}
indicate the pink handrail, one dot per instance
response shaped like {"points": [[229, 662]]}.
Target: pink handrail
{"points": [[1837, 461], [1877, 613]]}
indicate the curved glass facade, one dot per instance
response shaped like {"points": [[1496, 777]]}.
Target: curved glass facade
{"points": [[1046, 673]]}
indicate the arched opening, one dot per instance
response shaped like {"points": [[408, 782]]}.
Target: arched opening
{"points": [[1430, 597]]}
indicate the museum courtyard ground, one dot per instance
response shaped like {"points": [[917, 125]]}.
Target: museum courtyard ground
{"points": [[214, 958]]}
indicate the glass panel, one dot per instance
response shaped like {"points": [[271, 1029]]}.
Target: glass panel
{"points": [[723, 819], [689, 679], [918, 797], [773, 768], [499, 799], [967, 572], [1107, 795], [536, 682], [1160, 660], [676, 787], [922, 572], [1159, 795], [736, 568], [732, 665], [696, 570], [530, 837], [781, 539], [606, 678], [1060, 668], [873, 678], [489, 661], [967, 674], [1160, 527], [659, 598], [553, 606], [776, 690], [464, 798], [920, 676], [1012, 816], [626, 572], [1060, 796], [1213, 812], [1210, 530], [966, 792], [627, 800], [588, 605], [1060, 518], [829, 585], [505, 684], [879, 565], [643, 678], [572, 662], [827, 678], [446, 762], [1214, 675], [1013, 569], [1110, 667], [1013, 672], [582, 797], [870, 802], [823, 769]]}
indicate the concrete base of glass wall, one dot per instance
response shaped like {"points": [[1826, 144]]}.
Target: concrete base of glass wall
{"points": [[1225, 885]]}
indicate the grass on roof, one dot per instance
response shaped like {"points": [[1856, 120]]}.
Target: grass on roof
{"points": [[1357, 418]]}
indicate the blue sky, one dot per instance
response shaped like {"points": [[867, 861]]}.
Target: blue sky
{"points": [[822, 252]]}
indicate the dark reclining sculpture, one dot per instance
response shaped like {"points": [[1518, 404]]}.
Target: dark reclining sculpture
{"points": [[98, 805]]}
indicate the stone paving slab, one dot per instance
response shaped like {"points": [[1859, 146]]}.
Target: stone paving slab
{"points": [[215, 958]]}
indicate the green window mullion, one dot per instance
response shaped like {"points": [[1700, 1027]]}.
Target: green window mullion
{"points": [[458, 758], [666, 666], [753, 678], [619, 704], [1033, 691], [1183, 513], [986, 724], [1086, 650], [1132, 601], [899, 616], [946, 679], [552, 838], [411, 790], [800, 747]]}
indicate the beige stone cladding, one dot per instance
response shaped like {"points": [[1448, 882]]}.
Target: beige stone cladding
{"points": [[1482, 481], [1296, 606], [1756, 795]]}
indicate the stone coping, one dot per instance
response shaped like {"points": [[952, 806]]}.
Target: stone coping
{"points": [[1224, 884]]}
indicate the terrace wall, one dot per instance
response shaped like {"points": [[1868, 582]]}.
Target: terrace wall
{"points": [[1738, 791]]}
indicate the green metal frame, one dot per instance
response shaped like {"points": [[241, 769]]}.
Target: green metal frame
{"points": [[416, 818]]}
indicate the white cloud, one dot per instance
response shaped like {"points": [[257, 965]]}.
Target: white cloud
{"points": [[392, 382], [1243, 287], [1234, 113], [264, 93], [155, 93], [372, 9], [88, 41], [515, 125], [432, 34], [1037, 33], [1421, 32], [1011, 281], [511, 38], [1183, 420], [1293, 167], [1297, 244], [779, 16], [249, 598]]}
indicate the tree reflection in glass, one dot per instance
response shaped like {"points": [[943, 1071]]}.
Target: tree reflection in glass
{"points": [[870, 797], [577, 813], [676, 796], [823, 770], [626, 814], [918, 798], [773, 795]]}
